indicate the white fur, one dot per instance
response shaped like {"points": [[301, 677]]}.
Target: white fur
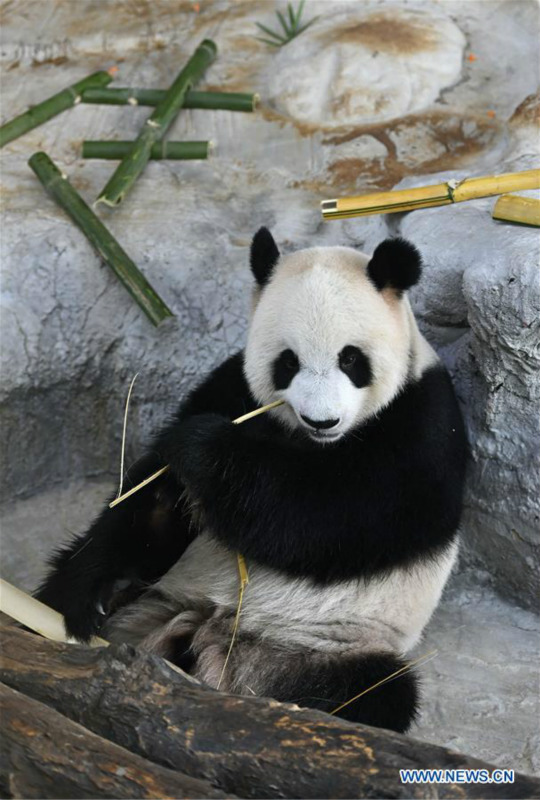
{"points": [[317, 302], [386, 613]]}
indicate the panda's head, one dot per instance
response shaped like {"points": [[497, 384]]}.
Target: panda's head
{"points": [[330, 332]]}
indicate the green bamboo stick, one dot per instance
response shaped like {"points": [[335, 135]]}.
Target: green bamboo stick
{"points": [[44, 111], [156, 126], [230, 101], [160, 150], [101, 239]]}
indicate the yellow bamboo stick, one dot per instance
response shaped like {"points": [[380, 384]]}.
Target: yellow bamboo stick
{"points": [[513, 208], [48, 623], [36, 615], [440, 194], [162, 471], [244, 580]]}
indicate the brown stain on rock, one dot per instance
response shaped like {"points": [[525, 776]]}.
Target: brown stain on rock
{"points": [[341, 171], [211, 13], [462, 139], [137, 16], [56, 62], [388, 33], [528, 111], [305, 129], [80, 183]]}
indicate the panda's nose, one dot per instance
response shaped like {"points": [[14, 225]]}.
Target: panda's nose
{"points": [[320, 424]]}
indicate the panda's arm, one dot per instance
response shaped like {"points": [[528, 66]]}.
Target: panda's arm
{"points": [[142, 537], [136, 541], [322, 512]]}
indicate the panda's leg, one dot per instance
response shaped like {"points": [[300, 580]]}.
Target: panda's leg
{"points": [[161, 625], [308, 678], [326, 682]]}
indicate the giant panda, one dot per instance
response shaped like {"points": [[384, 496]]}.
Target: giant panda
{"points": [[345, 501]]}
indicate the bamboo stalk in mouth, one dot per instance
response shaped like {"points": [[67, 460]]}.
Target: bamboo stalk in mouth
{"points": [[163, 470]]}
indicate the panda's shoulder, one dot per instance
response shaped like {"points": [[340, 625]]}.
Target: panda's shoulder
{"points": [[426, 413], [225, 391], [430, 395]]}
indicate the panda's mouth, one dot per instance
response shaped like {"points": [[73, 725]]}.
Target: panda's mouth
{"points": [[324, 436]]}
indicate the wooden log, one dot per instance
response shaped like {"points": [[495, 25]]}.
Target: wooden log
{"points": [[45, 755], [252, 747]]}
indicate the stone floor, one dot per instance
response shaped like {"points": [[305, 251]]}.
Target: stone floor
{"points": [[480, 692]]}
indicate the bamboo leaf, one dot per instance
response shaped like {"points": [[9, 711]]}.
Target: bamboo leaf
{"points": [[291, 30], [283, 24], [299, 11], [270, 32], [307, 25], [267, 41], [291, 14]]}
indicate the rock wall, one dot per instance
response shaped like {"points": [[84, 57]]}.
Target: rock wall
{"points": [[372, 95]]}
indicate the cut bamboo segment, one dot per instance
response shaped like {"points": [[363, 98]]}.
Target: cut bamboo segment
{"points": [[49, 108], [97, 234], [36, 615], [440, 194], [160, 150], [156, 126], [228, 101], [513, 208], [163, 470]]}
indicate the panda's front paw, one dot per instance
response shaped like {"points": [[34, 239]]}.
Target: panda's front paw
{"points": [[200, 443], [86, 618], [84, 607]]}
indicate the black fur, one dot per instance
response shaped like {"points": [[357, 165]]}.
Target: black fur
{"points": [[380, 498], [264, 255], [136, 541], [395, 264], [284, 369], [338, 679], [356, 365]]}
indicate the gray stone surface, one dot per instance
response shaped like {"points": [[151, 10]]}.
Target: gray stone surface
{"points": [[71, 338], [480, 691], [479, 303]]}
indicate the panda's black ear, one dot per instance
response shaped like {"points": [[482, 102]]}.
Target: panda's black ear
{"points": [[263, 256], [395, 264]]}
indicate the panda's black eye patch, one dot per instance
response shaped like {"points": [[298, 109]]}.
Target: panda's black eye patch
{"points": [[355, 364], [285, 368]]}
